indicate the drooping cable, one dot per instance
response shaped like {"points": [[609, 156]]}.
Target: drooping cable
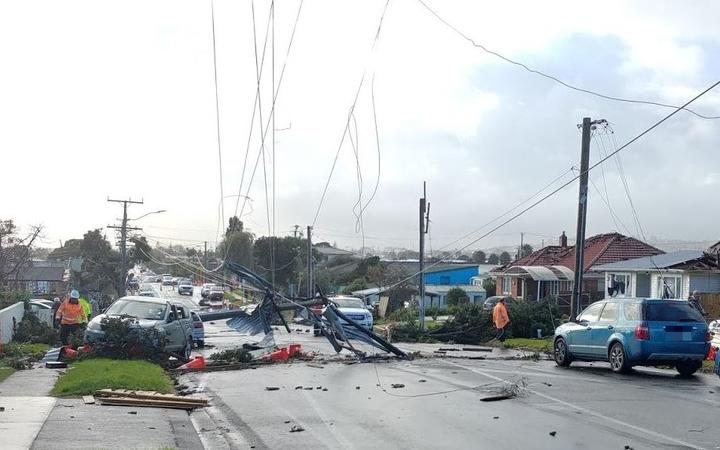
{"points": [[554, 78], [217, 111]]}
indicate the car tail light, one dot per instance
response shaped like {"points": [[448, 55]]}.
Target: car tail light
{"points": [[197, 325], [642, 332]]}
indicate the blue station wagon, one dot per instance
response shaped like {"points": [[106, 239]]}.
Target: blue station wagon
{"points": [[635, 332]]}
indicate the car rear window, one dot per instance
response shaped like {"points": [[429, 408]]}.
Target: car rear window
{"points": [[671, 311], [632, 311]]}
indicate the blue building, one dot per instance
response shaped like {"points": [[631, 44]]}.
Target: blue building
{"points": [[455, 275]]}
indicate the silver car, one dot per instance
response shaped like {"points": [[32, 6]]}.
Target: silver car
{"points": [[171, 319]]}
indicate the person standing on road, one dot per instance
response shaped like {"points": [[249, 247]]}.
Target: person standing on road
{"points": [[71, 315], [500, 320], [87, 309]]}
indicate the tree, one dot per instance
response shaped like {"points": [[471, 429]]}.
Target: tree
{"points": [[478, 257], [358, 284], [457, 296], [140, 251], [490, 287], [505, 258], [15, 251], [101, 266], [237, 244], [464, 258], [493, 259], [289, 255], [526, 250]]}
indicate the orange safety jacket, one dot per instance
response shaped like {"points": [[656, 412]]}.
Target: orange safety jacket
{"points": [[70, 314], [500, 316]]}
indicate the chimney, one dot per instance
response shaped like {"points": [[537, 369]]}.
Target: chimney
{"points": [[563, 240]]}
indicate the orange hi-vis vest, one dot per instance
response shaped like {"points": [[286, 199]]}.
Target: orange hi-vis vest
{"points": [[70, 314], [500, 316]]}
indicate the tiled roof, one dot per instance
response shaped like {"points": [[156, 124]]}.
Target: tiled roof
{"points": [[599, 249]]}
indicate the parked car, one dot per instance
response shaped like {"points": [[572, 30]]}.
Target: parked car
{"points": [[167, 280], [354, 308], [185, 287], [174, 281], [198, 331], [635, 332], [205, 289], [41, 301], [171, 319], [490, 302], [216, 293]]}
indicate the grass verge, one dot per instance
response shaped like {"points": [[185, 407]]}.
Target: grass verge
{"points": [[85, 377], [5, 372], [33, 351], [536, 345]]}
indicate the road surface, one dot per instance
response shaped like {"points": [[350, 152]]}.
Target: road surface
{"points": [[586, 406]]}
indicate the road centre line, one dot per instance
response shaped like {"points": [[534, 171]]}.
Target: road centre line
{"points": [[588, 411]]}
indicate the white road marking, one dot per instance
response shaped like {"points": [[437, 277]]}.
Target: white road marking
{"points": [[589, 412]]}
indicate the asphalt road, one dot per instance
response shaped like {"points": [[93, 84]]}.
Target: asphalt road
{"points": [[586, 406]]}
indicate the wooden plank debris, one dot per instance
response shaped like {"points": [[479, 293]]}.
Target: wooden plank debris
{"points": [[88, 399], [124, 397]]}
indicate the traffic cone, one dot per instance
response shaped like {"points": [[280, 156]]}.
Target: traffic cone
{"points": [[69, 353], [197, 363], [279, 355], [293, 349]]}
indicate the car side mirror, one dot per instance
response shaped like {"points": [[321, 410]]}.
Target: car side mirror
{"points": [[582, 322]]}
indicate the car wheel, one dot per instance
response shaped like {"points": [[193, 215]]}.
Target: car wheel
{"points": [[561, 353], [687, 368], [618, 358]]}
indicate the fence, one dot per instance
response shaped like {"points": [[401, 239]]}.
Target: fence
{"points": [[711, 304], [9, 318]]}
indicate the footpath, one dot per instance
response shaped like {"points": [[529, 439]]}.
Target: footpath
{"points": [[33, 419]]}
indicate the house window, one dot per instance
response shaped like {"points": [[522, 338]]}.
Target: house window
{"points": [[618, 285], [669, 286], [565, 286], [506, 285]]}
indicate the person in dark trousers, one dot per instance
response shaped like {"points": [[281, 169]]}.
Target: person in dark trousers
{"points": [[71, 315], [56, 304], [501, 321]]}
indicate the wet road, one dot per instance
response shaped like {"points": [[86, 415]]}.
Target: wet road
{"points": [[586, 406]]}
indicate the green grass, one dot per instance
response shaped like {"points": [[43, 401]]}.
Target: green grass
{"points": [[537, 345], [85, 377], [34, 351], [5, 372]]}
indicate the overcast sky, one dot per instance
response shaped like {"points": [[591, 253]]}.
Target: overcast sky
{"points": [[117, 99]]}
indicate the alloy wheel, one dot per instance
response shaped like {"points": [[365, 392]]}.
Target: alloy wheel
{"points": [[616, 357]]}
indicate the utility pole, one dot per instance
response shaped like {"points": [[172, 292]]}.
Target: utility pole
{"points": [[205, 261], [522, 243], [587, 126], [295, 232], [424, 218], [123, 239], [310, 287]]}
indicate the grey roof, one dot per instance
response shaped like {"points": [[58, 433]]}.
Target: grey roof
{"points": [[331, 251], [663, 261], [39, 274]]}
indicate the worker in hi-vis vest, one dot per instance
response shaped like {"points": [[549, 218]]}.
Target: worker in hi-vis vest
{"points": [[70, 315]]}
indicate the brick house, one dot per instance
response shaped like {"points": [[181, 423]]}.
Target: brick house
{"points": [[549, 272]]}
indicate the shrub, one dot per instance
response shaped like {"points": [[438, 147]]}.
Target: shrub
{"points": [[527, 317], [233, 355], [457, 296], [404, 315], [32, 330], [124, 339], [470, 325]]}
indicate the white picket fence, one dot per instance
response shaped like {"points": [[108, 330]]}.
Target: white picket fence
{"points": [[7, 315]]}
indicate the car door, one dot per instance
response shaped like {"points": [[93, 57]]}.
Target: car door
{"points": [[173, 330], [580, 338], [603, 329]]}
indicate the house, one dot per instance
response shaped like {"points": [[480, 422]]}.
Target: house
{"points": [[454, 275], [670, 275], [40, 280], [327, 252], [549, 272], [436, 294]]}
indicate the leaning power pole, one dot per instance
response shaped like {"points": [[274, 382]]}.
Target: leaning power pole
{"points": [[424, 218], [310, 287], [575, 302], [123, 239]]}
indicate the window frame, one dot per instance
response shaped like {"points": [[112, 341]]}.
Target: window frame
{"points": [[507, 285], [628, 284], [660, 284]]}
